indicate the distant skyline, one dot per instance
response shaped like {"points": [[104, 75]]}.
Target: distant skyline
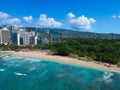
{"points": [[101, 16]]}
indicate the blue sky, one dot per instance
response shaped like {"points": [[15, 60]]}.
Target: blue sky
{"points": [[83, 15]]}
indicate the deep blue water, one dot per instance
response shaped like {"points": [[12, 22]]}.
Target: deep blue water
{"points": [[18, 73]]}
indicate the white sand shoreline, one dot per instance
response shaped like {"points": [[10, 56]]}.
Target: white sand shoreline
{"points": [[67, 60]]}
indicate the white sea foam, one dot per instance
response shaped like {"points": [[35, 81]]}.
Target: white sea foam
{"points": [[107, 77], [2, 70], [7, 58], [32, 60], [18, 57], [20, 74]]}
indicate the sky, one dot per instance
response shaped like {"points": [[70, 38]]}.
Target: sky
{"points": [[102, 16]]}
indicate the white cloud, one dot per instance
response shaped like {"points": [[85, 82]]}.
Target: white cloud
{"points": [[3, 15], [45, 21], [6, 19], [81, 22], [13, 21], [70, 15], [28, 19], [92, 21]]}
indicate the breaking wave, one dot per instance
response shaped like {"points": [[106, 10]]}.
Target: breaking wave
{"points": [[2, 70], [107, 77], [20, 74]]}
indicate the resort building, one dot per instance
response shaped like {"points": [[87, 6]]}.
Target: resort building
{"points": [[33, 40], [4, 36], [21, 33], [25, 35], [31, 29], [16, 38], [26, 38], [32, 33], [12, 29]]}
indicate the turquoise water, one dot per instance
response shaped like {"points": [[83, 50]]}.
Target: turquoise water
{"points": [[18, 73], [3, 53]]}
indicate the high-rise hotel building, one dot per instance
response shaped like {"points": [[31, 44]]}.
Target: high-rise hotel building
{"points": [[16, 38], [26, 38], [4, 36]]}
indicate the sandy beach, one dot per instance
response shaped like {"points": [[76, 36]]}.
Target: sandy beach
{"points": [[45, 56]]}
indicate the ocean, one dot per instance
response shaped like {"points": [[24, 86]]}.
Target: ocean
{"points": [[19, 73]]}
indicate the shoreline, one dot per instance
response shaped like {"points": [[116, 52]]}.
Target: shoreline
{"points": [[7, 54], [67, 60]]}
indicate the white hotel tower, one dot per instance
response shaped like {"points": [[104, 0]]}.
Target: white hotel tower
{"points": [[4, 36]]}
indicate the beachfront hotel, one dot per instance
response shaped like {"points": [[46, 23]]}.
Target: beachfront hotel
{"points": [[24, 35], [4, 36]]}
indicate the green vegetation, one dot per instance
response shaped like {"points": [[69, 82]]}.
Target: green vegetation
{"points": [[74, 55], [103, 50]]}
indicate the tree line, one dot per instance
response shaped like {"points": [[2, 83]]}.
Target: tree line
{"points": [[103, 50]]}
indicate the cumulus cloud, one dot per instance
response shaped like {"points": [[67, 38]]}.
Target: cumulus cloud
{"points": [[13, 21], [3, 15], [70, 15], [81, 22], [7, 19], [45, 21], [28, 19]]}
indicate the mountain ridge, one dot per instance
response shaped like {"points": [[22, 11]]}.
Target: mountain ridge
{"points": [[66, 33]]}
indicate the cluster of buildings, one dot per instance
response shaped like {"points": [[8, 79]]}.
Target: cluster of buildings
{"points": [[22, 36]]}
